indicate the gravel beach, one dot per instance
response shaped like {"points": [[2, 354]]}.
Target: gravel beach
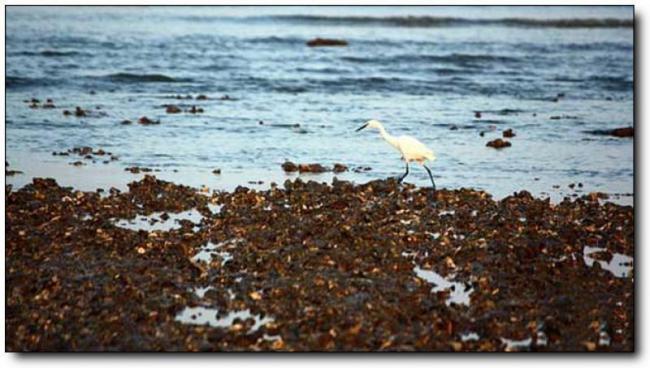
{"points": [[310, 266]]}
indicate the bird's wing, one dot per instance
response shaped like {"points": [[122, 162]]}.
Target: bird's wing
{"points": [[413, 148]]}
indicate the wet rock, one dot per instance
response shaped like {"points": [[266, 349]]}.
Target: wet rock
{"points": [[137, 170], [623, 132], [477, 114], [79, 112], [339, 168], [319, 267], [12, 172], [173, 109], [595, 196], [311, 168], [216, 171], [320, 42], [146, 121], [126, 122], [49, 104], [201, 97], [361, 169], [289, 166], [195, 110], [498, 143], [508, 133]]}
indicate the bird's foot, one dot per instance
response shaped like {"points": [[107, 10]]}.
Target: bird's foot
{"points": [[434, 201]]}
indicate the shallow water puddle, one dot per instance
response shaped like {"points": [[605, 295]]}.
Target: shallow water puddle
{"points": [[620, 265], [458, 294], [516, 345], [215, 208], [155, 222], [203, 316], [209, 250], [200, 291], [470, 336]]}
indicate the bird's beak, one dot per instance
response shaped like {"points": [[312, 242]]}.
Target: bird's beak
{"points": [[363, 126]]}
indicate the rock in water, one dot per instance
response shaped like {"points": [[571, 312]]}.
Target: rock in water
{"points": [[320, 42], [498, 143]]}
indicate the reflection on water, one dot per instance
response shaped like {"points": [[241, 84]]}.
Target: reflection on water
{"points": [[209, 316], [220, 249], [156, 222], [470, 336], [620, 265], [515, 345], [458, 293]]}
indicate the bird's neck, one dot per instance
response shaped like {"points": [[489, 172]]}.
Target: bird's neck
{"points": [[387, 137]]}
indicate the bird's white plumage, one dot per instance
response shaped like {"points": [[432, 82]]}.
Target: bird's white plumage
{"points": [[410, 148], [414, 150]]}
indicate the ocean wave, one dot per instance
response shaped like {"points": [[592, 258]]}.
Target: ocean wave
{"points": [[276, 40], [18, 82], [48, 53], [434, 22], [460, 59], [143, 78]]}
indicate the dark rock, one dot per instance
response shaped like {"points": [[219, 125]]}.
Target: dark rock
{"points": [[125, 122], [216, 171], [173, 109], [320, 42], [618, 132], [498, 143], [201, 97], [360, 169], [338, 168], [79, 112], [623, 132], [289, 166], [477, 114], [195, 110], [594, 196], [49, 104], [137, 170], [508, 133], [146, 121], [311, 168]]}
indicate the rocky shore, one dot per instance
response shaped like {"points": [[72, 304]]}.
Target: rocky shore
{"points": [[315, 267]]}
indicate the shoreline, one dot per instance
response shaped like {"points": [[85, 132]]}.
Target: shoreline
{"points": [[92, 176], [306, 266]]}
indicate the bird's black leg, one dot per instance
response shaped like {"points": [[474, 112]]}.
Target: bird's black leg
{"points": [[406, 173], [433, 183]]}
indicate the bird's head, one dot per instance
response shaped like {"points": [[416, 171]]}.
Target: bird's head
{"points": [[370, 124]]}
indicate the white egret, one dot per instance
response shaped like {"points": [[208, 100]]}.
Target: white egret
{"points": [[410, 148]]}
